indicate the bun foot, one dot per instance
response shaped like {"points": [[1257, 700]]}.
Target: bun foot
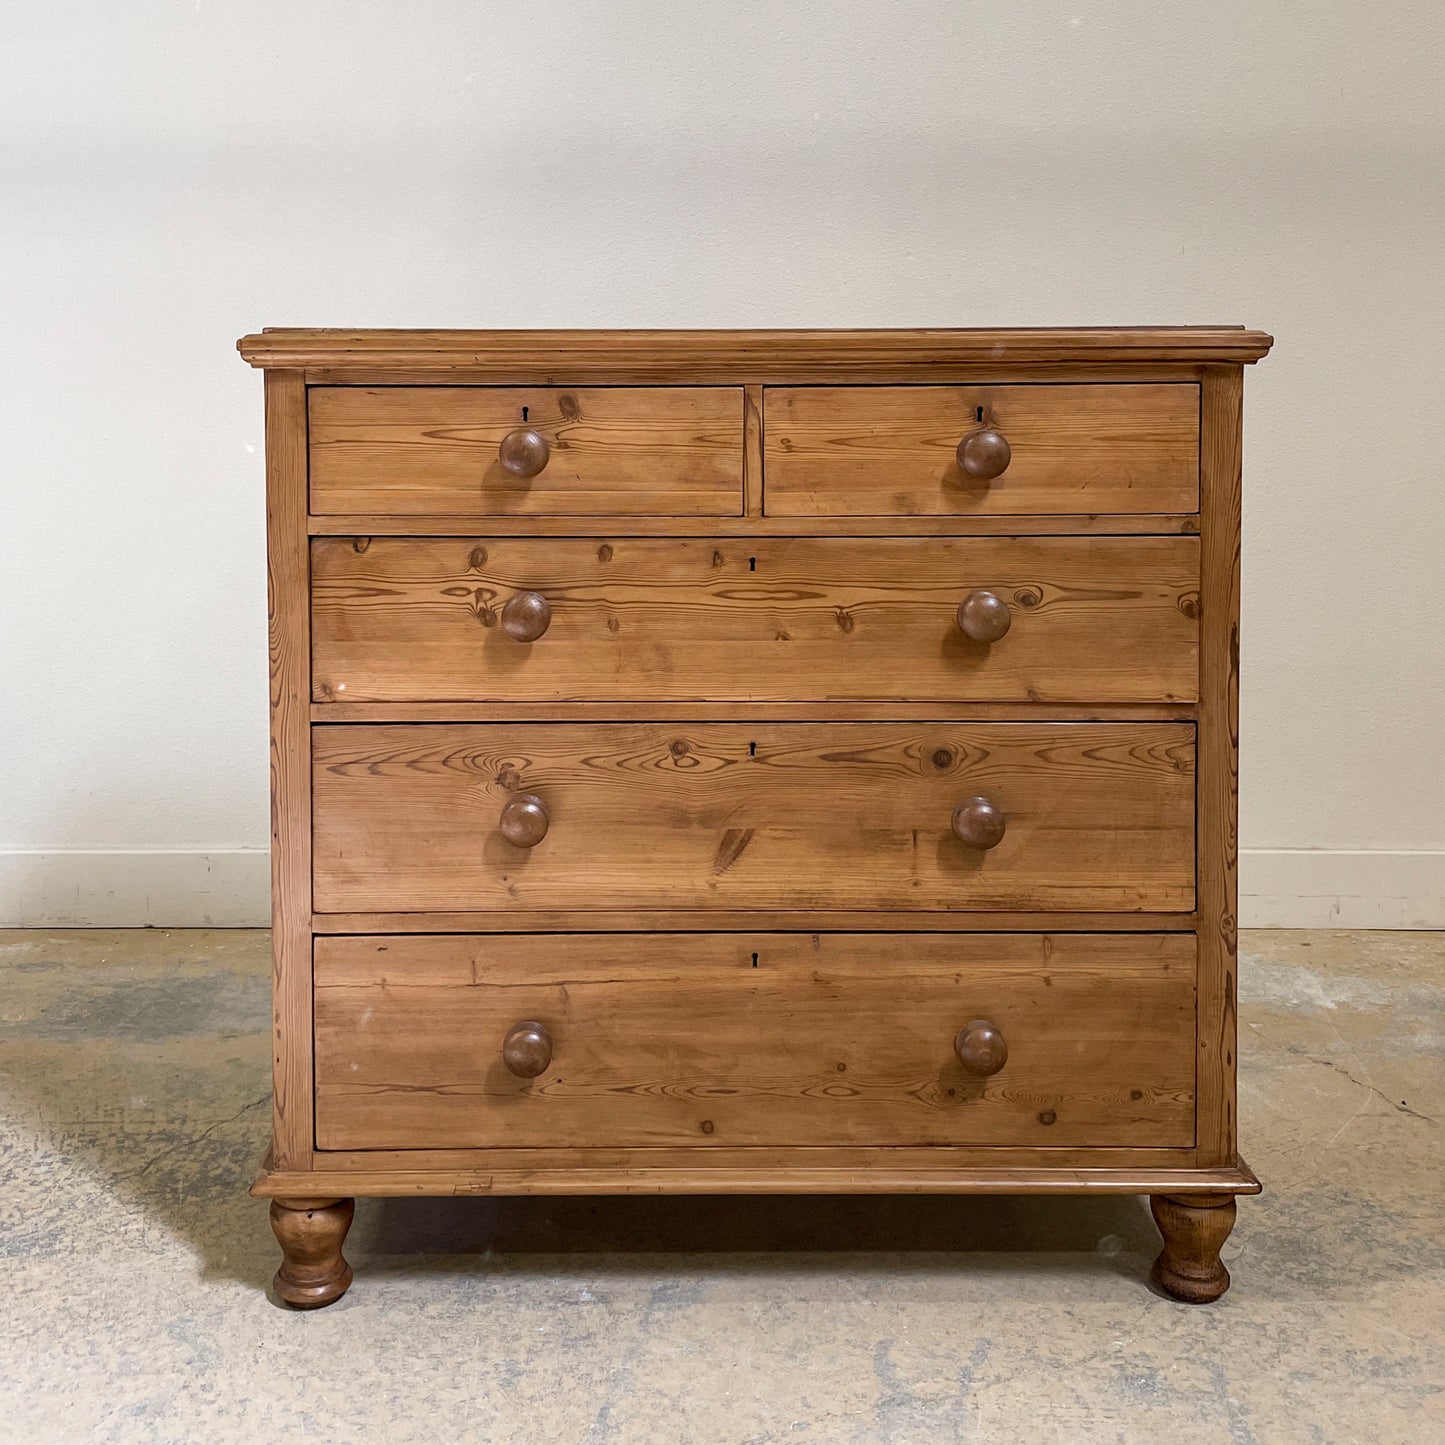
{"points": [[1194, 1227], [310, 1231]]}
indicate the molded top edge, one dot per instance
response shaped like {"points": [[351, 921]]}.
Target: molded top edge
{"points": [[761, 351]]}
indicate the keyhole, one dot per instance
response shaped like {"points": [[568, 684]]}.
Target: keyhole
{"points": [[752, 564], [755, 960], [526, 409], [752, 750], [978, 415]]}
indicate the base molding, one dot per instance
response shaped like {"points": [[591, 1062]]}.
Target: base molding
{"points": [[780, 1179]]}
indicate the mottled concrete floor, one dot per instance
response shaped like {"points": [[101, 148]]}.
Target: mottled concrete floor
{"points": [[133, 1304]]}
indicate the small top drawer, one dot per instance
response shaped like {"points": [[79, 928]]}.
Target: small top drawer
{"points": [[527, 451], [858, 451]]}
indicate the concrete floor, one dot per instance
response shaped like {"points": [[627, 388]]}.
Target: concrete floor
{"points": [[133, 1304]]}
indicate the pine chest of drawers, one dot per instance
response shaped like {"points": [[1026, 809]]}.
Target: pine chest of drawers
{"points": [[754, 761]]}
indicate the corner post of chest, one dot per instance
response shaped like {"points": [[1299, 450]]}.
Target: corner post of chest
{"points": [[1221, 397], [288, 586]]}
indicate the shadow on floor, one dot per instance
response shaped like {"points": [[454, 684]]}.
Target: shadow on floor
{"points": [[791, 1226]]}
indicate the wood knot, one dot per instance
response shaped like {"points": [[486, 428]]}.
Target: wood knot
{"points": [[1047, 1116], [943, 758], [604, 552], [477, 559], [1027, 597]]}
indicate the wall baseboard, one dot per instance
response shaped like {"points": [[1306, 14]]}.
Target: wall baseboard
{"points": [[136, 888], [230, 888], [1326, 888]]}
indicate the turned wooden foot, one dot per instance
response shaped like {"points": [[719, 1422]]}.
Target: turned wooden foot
{"points": [[313, 1271], [1194, 1227]]}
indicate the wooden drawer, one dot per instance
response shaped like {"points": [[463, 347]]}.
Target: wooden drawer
{"points": [[1098, 816], [1107, 620], [892, 450], [765, 1039], [622, 451]]}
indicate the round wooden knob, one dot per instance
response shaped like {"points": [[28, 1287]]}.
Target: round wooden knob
{"points": [[524, 820], [980, 1047], [978, 823], [528, 615], [984, 616], [984, 454], [527, 1049], [524, 452]]}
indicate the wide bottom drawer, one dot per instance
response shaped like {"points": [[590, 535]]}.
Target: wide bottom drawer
{"points": [[765, 1039]]}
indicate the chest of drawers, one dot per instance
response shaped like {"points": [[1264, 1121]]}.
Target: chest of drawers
{"points": [[754, 761]]}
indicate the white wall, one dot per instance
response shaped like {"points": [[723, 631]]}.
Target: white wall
{"points": [[172, 175]]}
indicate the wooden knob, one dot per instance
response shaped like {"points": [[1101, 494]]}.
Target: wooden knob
{"points": [[527, 1049], [980, 1047], [984, 454], [978, 823], [524, 452], [524, 820], [528, 615], [984, 616]]}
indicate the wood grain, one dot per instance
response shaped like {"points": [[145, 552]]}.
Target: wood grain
{"points": [[775, 1174], [704, 1156], [754, 1041], [716, 371], [816, 827], [1219, 759], [499, 710], [287, 583], [313, 1272], [864, 451], [735, 815], [686, 356], [1141, 524], [752, 451], [1194, 1227], [416, 619], [681, 920], [614, 450]]}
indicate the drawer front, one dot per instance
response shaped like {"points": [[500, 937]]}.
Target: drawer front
{"points": [[1109, 619], [771, 1039], [893, 450], [1095, 816], [622, 451]]}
